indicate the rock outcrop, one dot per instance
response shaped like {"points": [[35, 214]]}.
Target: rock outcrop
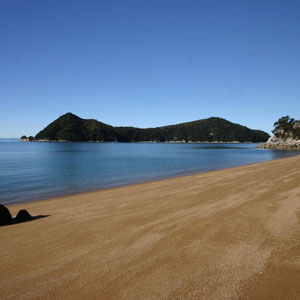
{"points": [[278, 143], [5, 216]]}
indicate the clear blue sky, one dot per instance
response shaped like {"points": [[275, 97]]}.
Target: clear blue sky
{"points": [[148, 62]]}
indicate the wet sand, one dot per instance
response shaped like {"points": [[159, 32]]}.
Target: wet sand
{"points": [[229, 234]]}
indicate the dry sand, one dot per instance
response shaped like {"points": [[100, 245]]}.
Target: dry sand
{"points": [[229, 234]]}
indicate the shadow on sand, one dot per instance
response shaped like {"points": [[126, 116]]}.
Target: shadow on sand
{"points": [[13, 220]]}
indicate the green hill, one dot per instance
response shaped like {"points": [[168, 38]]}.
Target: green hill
{"points": [[70, 127]]}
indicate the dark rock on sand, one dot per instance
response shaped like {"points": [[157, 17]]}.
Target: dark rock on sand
{"points": [[23, 216], [5, 216]]}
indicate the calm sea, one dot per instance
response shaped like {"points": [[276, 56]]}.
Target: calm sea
{"points": [[32, 171]]}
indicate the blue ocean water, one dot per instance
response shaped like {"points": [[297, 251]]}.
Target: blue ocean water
{"points": [[33, 171]]}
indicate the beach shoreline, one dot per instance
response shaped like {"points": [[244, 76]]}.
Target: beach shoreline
{"points": [[230, 233]]}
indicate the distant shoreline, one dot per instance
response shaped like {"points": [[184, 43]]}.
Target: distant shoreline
{"points": [[141, 142]]}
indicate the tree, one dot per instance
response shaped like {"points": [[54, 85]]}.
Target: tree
{"points": [[284, 127]]}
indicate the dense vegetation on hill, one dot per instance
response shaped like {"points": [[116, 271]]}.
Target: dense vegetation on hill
{"points": [[70, 127], [287, 127]]}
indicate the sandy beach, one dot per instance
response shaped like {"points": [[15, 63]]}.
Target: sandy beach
{"points": [[229, 234]]}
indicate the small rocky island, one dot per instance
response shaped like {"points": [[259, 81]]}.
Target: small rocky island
{"points": [[286, 135], [71, 128]]}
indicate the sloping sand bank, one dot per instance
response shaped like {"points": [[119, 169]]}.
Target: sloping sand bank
{"points": [[229, 234]]}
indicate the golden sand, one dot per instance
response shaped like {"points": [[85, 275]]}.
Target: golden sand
{"points": [[229, 234]]}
